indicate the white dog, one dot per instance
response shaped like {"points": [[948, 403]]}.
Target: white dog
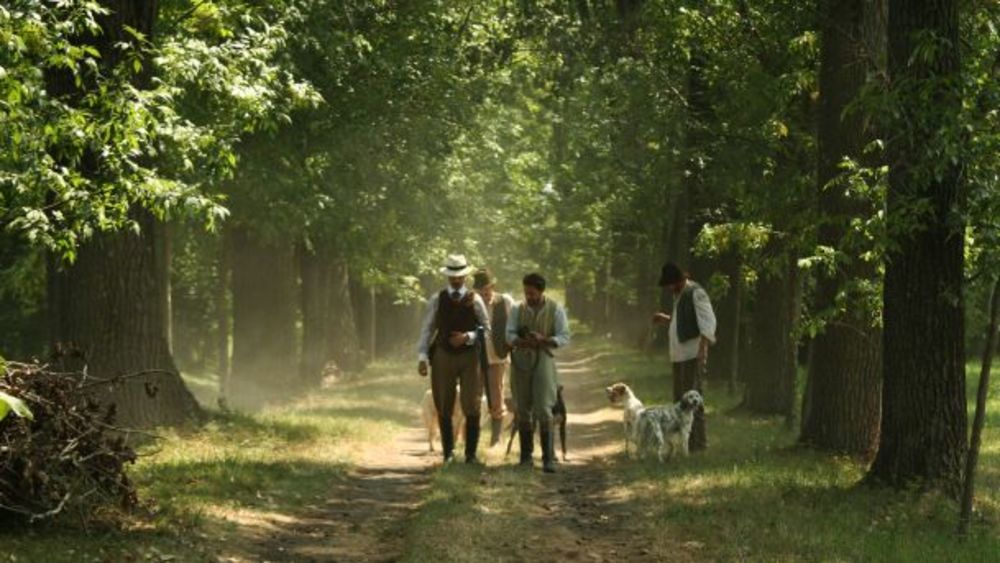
{"points": [[659, 427], [621, 394], [429, 415]]}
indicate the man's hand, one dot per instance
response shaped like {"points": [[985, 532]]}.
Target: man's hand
{"points": [[702, 351], [526, 343], [542, 341], [422, 368], [661, 319], [458, 339]]}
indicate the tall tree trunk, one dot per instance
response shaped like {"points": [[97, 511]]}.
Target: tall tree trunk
{"points": [[328, 328], [342, 336], [975, 441], [109, 306], [374, 323], [111, 303], [770, 386], [314, 272], [844, 390], [361, 304], [724, 359], [923, 432], [688, 219], [223, 315], [264, 309], [165, 247]]}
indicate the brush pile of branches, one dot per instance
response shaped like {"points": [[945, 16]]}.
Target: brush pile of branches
{"points": [[60, 453]]}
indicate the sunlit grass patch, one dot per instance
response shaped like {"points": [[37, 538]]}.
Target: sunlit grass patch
{"points": [[474, 514], [240, 472], [753, 495]]}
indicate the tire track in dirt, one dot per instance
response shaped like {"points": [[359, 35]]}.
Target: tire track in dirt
{"points": [[363, 516], [589, 512], [585, 512]]}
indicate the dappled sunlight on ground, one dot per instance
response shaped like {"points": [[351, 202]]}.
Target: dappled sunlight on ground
{"points": [[344, 474]]}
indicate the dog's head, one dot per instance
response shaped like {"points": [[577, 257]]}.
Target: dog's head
{"points": [[617, 393], [691, 400]]}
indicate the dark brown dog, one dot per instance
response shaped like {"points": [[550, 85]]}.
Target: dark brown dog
{"points": [[558, 420]]}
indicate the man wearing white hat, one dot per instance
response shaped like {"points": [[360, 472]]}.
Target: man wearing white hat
{"points": [[448, 340]]}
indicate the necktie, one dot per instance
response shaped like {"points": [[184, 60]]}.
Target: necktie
{"points": [[455, 295]]}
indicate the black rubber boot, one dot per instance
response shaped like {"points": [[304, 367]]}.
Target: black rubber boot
{"points": [[527, 444], [496, 428], [447, 438], [471, 438], [548, 450]]}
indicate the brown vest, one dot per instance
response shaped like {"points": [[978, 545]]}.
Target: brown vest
{"points": [[455, 316]]}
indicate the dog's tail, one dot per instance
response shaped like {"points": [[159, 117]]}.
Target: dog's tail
{"points": [[562, 438]]}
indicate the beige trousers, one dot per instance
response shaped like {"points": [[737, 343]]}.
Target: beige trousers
{"points": [[495, 389]]}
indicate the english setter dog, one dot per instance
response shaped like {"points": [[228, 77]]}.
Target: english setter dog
{"points": [[660, 426], [655, 427], [621, 394]]}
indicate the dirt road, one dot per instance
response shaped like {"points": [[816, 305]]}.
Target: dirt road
{"points": [[583, 511]]}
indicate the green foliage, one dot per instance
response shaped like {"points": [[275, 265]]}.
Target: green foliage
{"points": [[86, 135], [366, 171], [11, 404]]}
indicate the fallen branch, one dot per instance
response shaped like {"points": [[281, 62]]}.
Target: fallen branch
{"points": [[70, 459]]}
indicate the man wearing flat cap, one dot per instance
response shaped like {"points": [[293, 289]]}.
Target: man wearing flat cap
{"points": [[497, 350], [692, 331], [448, 339]]}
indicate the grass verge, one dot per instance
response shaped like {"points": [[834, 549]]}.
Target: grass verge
{"points": [[753, 495], [212, 487]]}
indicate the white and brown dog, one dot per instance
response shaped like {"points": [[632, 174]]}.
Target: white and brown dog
{"points": [[621, 394], [661, 426], [655, 427]]}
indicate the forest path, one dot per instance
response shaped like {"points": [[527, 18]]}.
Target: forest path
{"points": [[380, 510], [585, 511], [364, 515]]}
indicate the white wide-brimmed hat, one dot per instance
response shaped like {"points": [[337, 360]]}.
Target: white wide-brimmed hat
{"points": [[456, 266]]}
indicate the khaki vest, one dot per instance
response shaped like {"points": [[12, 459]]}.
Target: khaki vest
{"points": [[542, 321]]}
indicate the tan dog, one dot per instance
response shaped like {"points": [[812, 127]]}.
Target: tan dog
{"points": [[430, 417]]}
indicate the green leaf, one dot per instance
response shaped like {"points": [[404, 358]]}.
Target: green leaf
{"points": [[10, 403]]}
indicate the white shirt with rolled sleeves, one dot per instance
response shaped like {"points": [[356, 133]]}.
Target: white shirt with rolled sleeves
{"points": [[427, 327], [688, 350]]}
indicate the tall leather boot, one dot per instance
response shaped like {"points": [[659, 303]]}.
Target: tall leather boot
{"points": [[548, 449], [447, 438], [471, 438], [496, 427], [527, 443]]}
